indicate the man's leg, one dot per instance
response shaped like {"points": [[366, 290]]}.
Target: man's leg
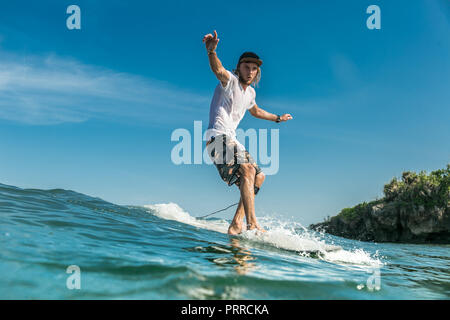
{"points": [[236, 224], [259, 179], [247, 183]]}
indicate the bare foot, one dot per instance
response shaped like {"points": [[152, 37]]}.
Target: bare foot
{"points": [[255, 226], [234, 229]]}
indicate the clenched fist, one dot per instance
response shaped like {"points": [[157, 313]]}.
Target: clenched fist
{"points": [[285, 117]]}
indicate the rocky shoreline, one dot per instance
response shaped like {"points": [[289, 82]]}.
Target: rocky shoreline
{"points": [[414, 209]]}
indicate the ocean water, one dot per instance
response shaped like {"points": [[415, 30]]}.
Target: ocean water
{"points": [[160, 251]]}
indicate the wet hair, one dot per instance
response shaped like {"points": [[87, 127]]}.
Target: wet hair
{"points": [[255, 81]]}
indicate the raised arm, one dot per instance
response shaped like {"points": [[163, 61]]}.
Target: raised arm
{"points": [[214, 62]]}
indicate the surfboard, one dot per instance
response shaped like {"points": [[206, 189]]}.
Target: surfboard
{"points": [[268, 239], [278, 238]]}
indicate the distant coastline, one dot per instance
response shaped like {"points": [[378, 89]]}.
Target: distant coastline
{"points": [[414, 209]]}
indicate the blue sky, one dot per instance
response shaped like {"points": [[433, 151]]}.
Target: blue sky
{"points": [[93, 110]]}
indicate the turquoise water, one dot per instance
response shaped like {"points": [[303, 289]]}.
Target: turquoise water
{"points": [[160, 251]]}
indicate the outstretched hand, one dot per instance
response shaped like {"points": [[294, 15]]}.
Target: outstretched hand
{"points": [[211, 41], [285, 117]]}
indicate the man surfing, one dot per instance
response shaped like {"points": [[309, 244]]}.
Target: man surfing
{"points": [[232, 97]]}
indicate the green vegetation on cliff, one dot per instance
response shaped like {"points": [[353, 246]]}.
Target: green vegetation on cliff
{"points": [[420, 189], [414, 209], [354, 212], [413, 189]]}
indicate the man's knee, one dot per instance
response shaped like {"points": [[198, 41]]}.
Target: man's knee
{"points": [[259, 179], [247, 170]]}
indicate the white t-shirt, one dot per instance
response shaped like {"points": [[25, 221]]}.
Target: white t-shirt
{"points": [[228, 107]]}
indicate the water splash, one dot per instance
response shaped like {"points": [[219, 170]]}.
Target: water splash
{"points": [[281, 234]]}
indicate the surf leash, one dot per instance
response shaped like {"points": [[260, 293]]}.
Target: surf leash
{"points": [[210, 214]]}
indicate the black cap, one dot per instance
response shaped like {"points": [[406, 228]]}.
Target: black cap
{"points": [[250, 57]]}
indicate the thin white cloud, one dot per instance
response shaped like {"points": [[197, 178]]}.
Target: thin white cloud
{"points": [[345, 71], [51, 90]]}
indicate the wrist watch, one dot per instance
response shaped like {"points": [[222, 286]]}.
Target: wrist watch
{"points": [[278, 119]]}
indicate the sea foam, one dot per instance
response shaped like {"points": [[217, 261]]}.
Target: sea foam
{"points": [[286, 235]]}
